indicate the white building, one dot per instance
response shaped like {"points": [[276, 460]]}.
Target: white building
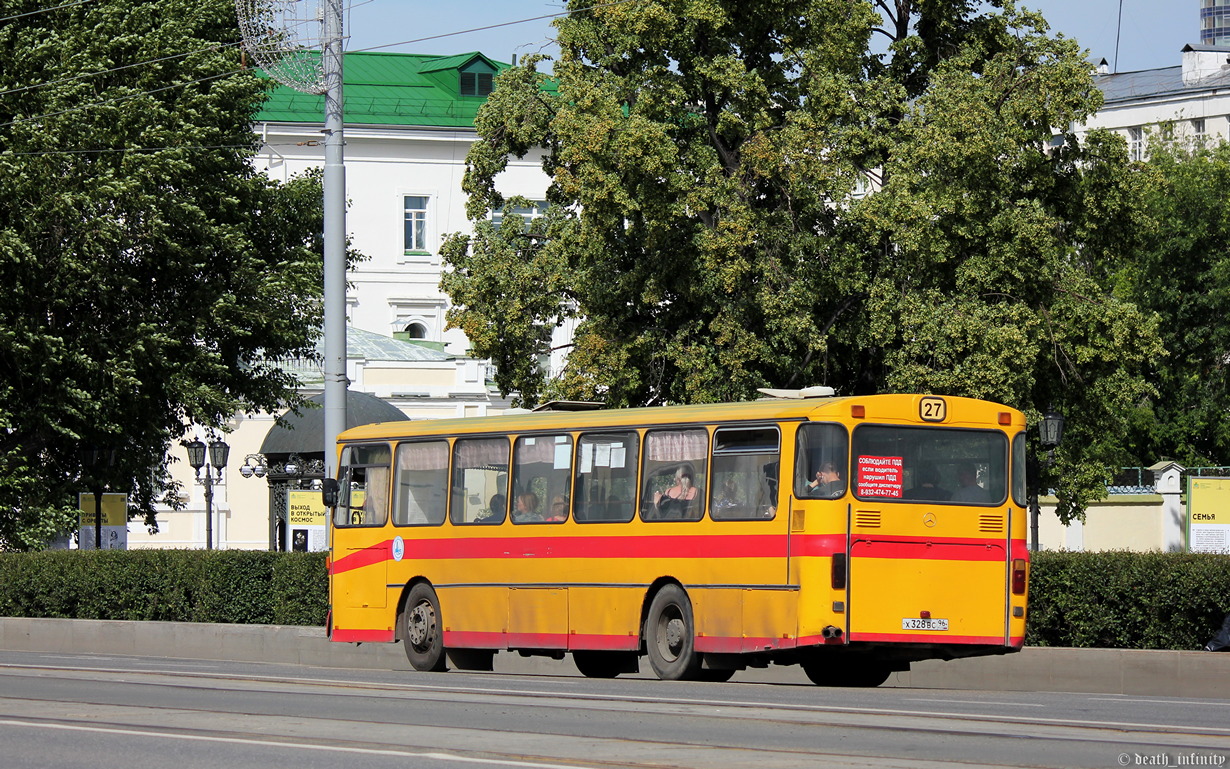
{"points": [[1188, 101]]}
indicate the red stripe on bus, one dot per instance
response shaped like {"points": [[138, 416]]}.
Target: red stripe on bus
{"points": [[676, 547], [467, 639], [914, 638], [741, 645], [359, 635], [360, 558]]}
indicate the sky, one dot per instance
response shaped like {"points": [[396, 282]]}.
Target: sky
{"points": [[1152, 34]]}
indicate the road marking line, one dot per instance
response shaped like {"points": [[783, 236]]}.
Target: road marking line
{"points": [[275, 744]]}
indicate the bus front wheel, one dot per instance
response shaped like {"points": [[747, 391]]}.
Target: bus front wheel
{"points": [[670, 635], [421, 631]]}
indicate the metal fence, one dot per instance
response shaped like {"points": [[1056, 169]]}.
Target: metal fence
{"points": [[1139, 480]]}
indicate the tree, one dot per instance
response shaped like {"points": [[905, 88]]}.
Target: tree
{"points": [[711, 228], [151, 274], [1182, 274]]}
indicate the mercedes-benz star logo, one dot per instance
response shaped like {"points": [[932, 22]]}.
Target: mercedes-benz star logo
{"points": [[929, 520]]}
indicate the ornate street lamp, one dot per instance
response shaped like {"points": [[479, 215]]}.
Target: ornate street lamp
{"points": [[218, 452], [1050, 435], [1050, 430], [254, 465]]}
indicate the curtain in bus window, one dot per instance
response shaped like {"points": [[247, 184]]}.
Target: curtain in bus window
{"points": [[930, 464], [674, 476], [746, 468], [542, 478], [421, 484], [480, 481], [604, 487], [821, 459]]}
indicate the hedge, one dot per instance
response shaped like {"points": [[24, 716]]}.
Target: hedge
{"points": [[232, 586], [1110, 599], [1125, 600]]}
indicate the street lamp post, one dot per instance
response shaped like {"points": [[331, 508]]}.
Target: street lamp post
{"points": [[218, 454], [1050, 435], [99, 461]]}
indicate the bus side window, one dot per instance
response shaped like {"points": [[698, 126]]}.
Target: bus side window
{"points": [[542, 473], [420, 492], [821, 461], [480, 481], [746, 467], [674, 475], [605, 477]]}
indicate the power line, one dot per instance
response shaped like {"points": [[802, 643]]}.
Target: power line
{"points": [[218, 47], [126, 97], [104, 150], [496, 26], [45, 10]]}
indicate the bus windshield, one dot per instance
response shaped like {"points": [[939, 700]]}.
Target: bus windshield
{"points": [[930, 464]]}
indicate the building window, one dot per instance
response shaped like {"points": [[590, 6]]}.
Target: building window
{"points": [[477, 83], [1199, 130], [1136, 143], [416, 223], [534, 210], [416, 331]]}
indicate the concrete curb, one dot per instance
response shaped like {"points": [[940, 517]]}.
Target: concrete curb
{"points": [[1128, 672]]}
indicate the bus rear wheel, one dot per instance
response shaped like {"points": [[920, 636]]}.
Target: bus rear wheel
{"points": [[670, 635], [421, 630], [866, 674]]}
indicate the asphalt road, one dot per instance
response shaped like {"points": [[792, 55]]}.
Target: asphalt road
{"points": [[111, 712]]}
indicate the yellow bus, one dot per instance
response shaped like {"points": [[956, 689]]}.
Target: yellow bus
{"points": [[849, 535]]}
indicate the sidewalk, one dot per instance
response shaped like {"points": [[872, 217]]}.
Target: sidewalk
{"points": [[1104, 671]]}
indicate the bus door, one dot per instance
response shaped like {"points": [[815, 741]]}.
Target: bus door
{"points": [[929, 535], [361, 548]]}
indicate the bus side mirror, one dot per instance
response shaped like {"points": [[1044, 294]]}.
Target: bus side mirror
{"points": [[328, 492]]}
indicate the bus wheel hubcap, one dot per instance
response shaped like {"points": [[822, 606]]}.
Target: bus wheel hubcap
{"points": [[670, 641], [422, 624]]}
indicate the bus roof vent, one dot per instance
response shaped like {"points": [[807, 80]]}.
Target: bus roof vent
{"points": [[819, 391], [569, 406]]}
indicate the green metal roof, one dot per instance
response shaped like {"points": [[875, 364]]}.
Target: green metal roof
{"points": [[390, 89]]}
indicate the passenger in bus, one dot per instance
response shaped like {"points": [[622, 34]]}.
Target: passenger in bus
{"points": [[968, 489], [559, 509], [928, 486], [680, 500], [497, 507], [828, 483], [729, 498], [527, 508]]}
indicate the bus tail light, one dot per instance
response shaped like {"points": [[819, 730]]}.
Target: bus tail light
{"points": [[1018, 576], [839, 571]]}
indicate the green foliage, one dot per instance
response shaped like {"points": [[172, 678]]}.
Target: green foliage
{"points": [[150, 272], [1127, 600], [1182, 273], [227, 586], [709, 231]]}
